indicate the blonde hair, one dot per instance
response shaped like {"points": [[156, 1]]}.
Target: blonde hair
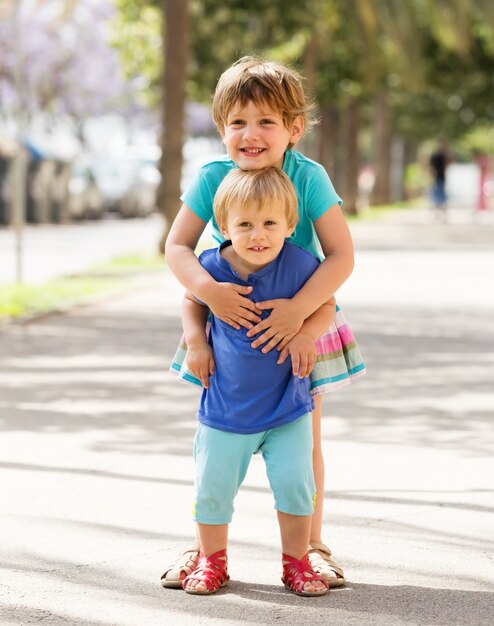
{"points": [[262, 82], [245, 188]]}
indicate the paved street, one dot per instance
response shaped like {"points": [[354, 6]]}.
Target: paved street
{"points": [[96, 471], [50, 251]]}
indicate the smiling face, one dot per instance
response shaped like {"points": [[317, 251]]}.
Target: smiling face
{"points": [[256, 137], [257, 236]]}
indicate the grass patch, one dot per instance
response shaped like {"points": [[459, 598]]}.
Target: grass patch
{"points": [[18, 301], [24, 300], [130, 263], [382, 210]]}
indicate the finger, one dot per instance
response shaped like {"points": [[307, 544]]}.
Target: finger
{"points": [[265, 304], [231, 322], [302, 373], [195, 372], [258, 328], [312, 362], [251, 314], [284, 342], [272, 343], [282, 358], [241, 289], [211, 366], [295, 364], [248, 305]]}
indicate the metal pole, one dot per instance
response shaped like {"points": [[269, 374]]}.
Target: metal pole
{"points": [[19, 178]]}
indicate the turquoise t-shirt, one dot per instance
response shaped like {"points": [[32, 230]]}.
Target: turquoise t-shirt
{"points": [[314, 188]]}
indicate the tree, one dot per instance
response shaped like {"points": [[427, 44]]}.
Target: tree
{"points": [[176, 47]]}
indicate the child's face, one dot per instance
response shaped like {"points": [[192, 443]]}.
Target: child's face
{"points": [[257, 235], [256, 136]]}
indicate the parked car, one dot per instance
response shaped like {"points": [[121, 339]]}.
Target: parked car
{"points": [[128, 183], [85, 200]]}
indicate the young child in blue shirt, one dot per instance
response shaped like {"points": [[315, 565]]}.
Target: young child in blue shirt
{"points": [[261, 112], [254, 403]]}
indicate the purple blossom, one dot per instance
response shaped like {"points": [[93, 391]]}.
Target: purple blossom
{"points": [[64, 66]]}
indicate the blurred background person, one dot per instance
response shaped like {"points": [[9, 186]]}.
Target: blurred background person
{"points": [[438, 162]]}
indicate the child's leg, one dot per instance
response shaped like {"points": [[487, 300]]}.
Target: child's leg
{"points": [[318, 467], [295, 531], [221, 462], [214, 538], [287, 452], [320, 556]]}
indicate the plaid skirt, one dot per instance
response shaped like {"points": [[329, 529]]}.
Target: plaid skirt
{"points": [[338, 359]]}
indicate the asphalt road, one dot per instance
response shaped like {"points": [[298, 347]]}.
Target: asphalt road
{"points": [[96, 441]]}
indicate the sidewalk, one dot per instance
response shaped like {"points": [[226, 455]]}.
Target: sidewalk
{"points": [[96, 470], [51, 251]]}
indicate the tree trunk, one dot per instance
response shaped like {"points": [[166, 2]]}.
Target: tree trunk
{"points": [[410, 155], [308, 145], [352, 128], [382, 150], [328, 143], [175, 35], [397, 170]]}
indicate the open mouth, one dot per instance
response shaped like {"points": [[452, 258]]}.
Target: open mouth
{"points": [[258, 248], [252, 151]]}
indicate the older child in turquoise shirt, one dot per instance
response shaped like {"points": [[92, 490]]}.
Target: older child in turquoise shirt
{"points": [[261, 112]]}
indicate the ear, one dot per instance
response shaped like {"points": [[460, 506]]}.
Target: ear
{"points": [[290, 232], [223, 231], [297, 129]]}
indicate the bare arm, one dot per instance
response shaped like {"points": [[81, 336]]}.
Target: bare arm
{"points": [[288, 316], [226, 300], [318, 323], [337, 246], [199, 357]]}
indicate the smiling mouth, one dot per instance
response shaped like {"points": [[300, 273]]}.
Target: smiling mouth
{"points": [[258, 248], [252, 151]]}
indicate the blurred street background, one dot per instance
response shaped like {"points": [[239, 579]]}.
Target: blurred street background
{"points": [[104, 118]]}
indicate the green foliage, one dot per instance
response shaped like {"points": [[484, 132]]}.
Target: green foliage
{"points": [[224, 32], [23, 300], [434, 57], [460, 89], [137, 35]]}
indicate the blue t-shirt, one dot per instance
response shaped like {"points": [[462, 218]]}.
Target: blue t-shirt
{"points": [[314, 189], [249, 392]]}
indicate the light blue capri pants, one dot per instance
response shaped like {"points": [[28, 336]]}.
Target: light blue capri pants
{"points": [[222, 459]]}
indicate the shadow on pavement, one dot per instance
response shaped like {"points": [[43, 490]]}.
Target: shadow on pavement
{"points": [[428, 381]]}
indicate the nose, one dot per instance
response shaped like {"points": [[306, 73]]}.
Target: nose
{"points": [[251, 131], [257, 233]]}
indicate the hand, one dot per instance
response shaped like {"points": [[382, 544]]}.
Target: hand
{"points": [[229, 303], [200, 362], [282, 324], [302, 349]]}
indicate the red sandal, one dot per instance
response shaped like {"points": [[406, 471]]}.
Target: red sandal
{"points": [[294, 576], [212, 570]]}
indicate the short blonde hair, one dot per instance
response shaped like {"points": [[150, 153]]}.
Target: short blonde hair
{"points": [[244, 188], [262, 82]]}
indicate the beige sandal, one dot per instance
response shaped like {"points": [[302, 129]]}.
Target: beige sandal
{"points": [[323, 564], [185, 564]]}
